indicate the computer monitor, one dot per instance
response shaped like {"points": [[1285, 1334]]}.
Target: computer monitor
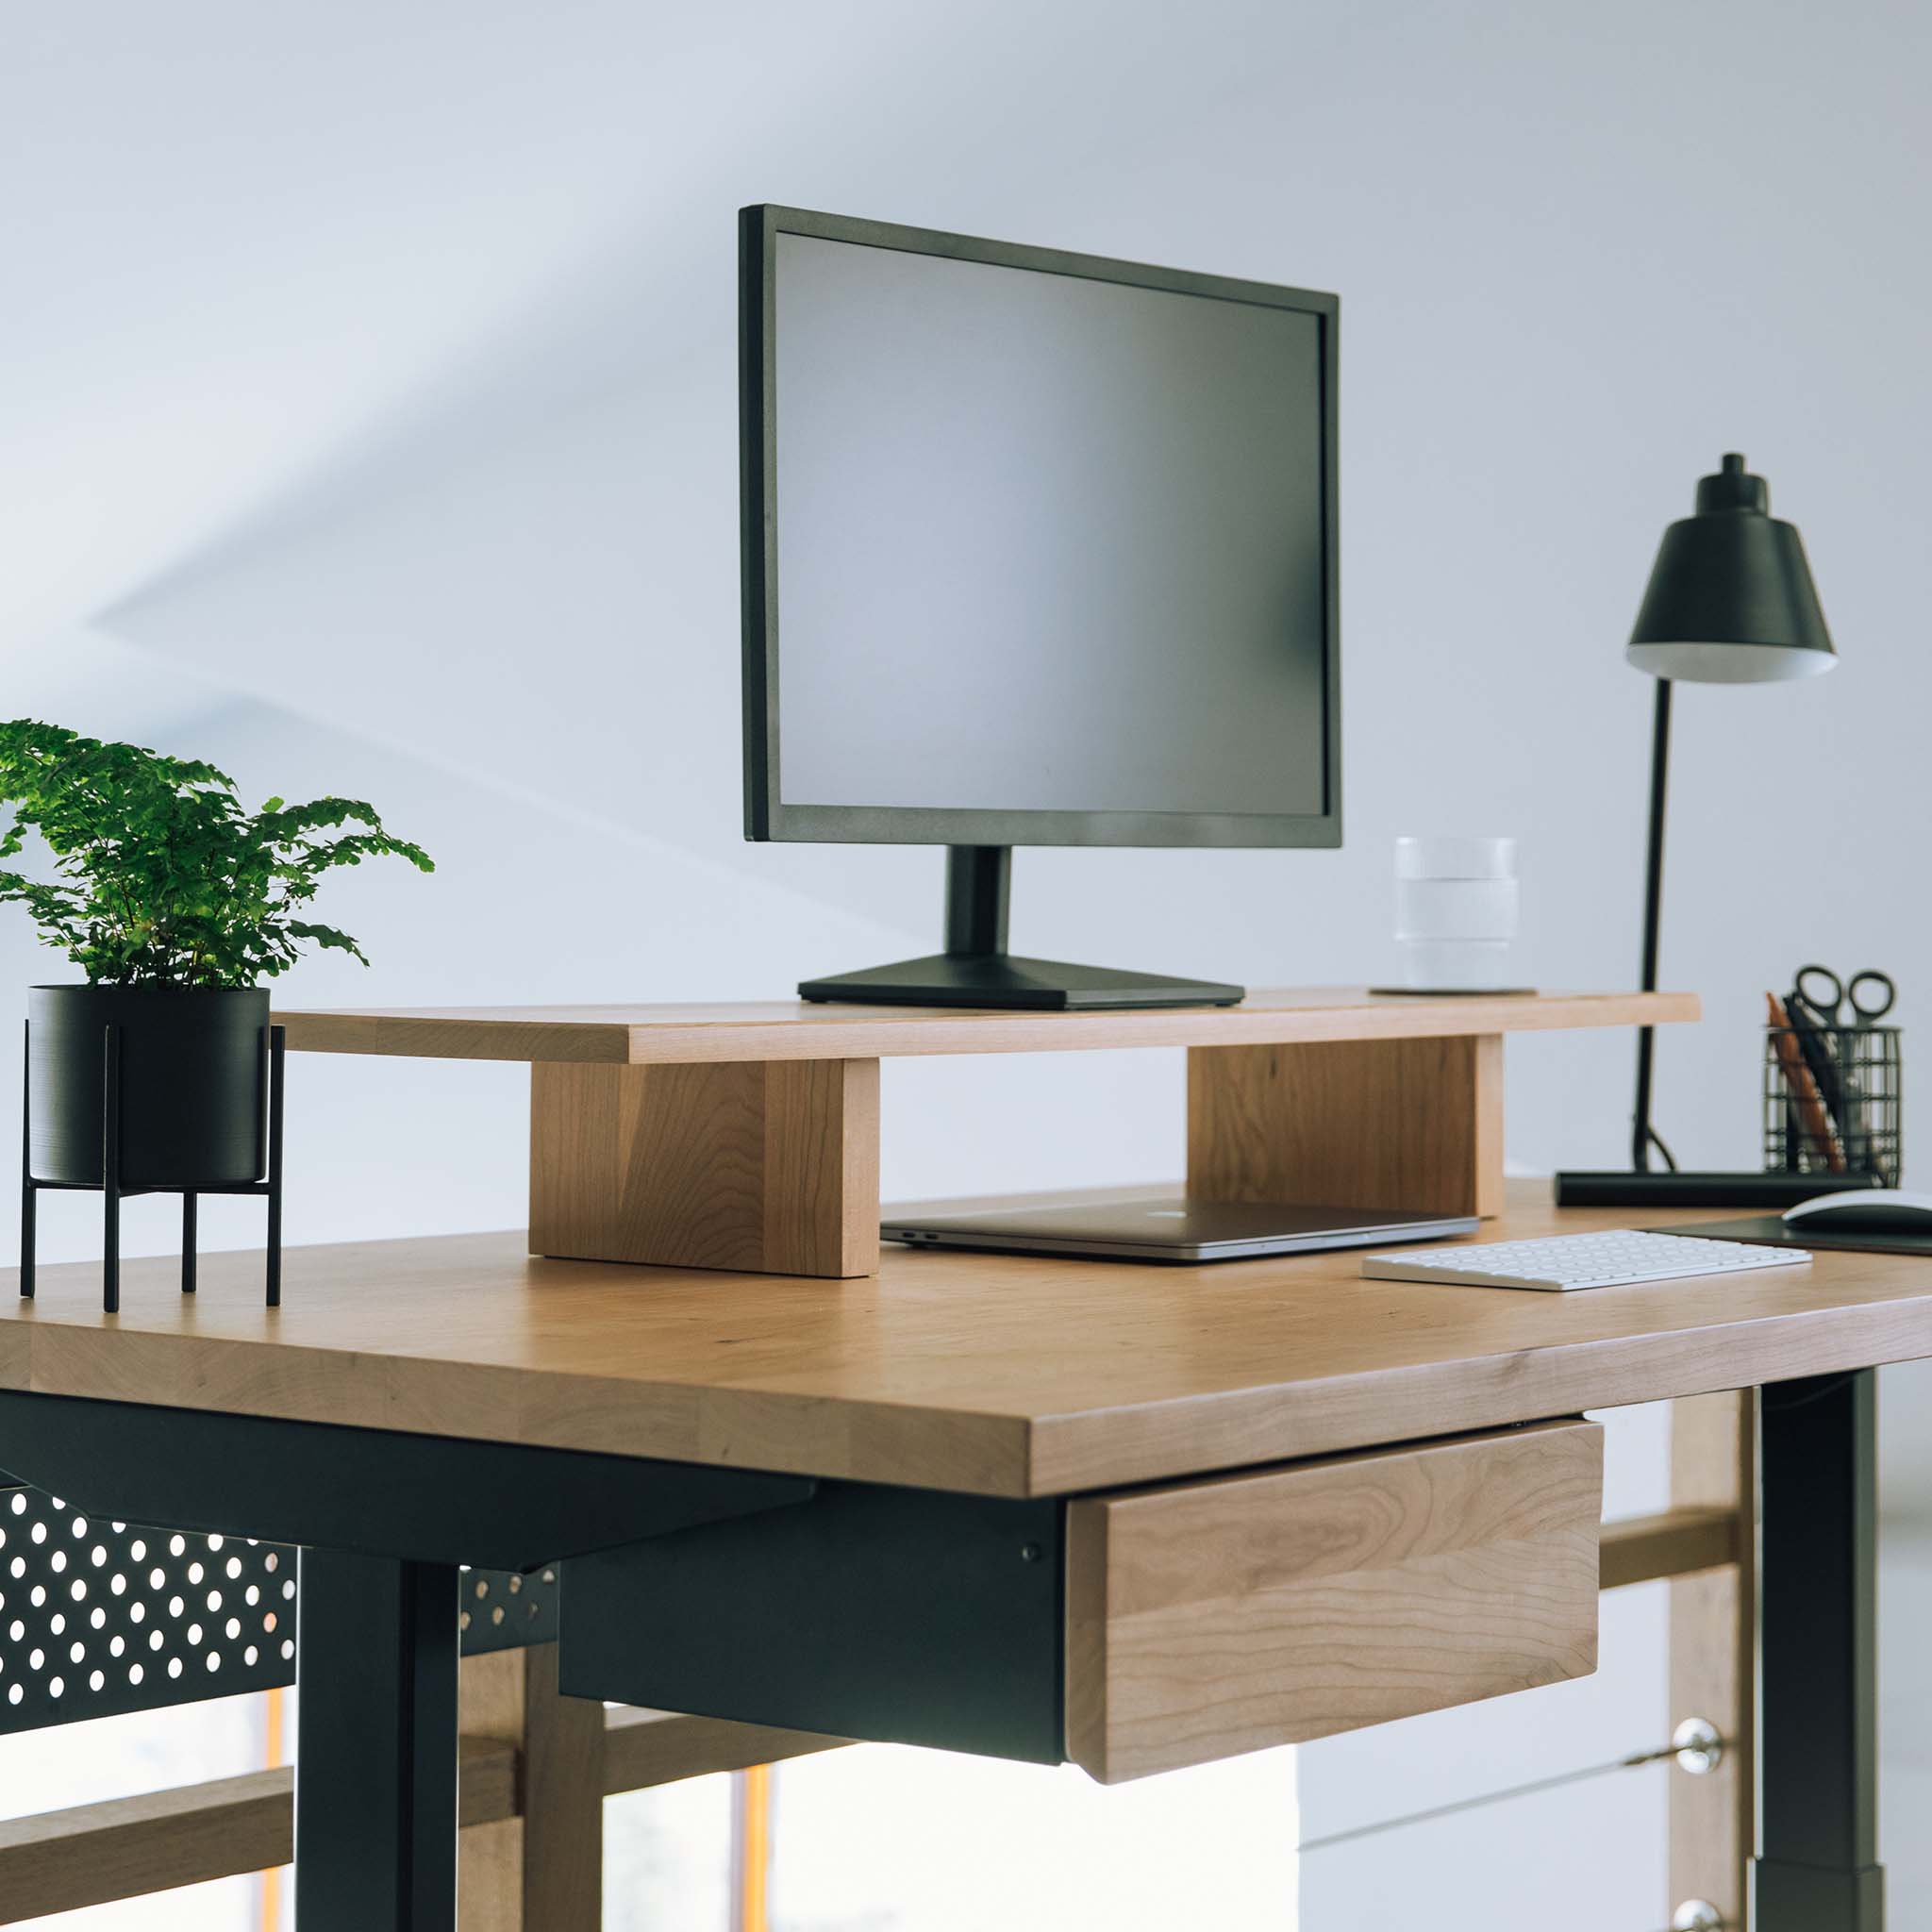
{"points": [[1039, 549]]}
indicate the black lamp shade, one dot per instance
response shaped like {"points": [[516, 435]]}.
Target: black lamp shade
{"points": [[1731, 599]]}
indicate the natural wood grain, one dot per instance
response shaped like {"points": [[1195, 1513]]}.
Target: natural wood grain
{"points": [[772, 1168], [58, 1862], [1400, 1124], [643, 1748], [490, 1877], [797, 1030], [1678, 1542], [542, 1870], [1212, 1618], [489, 1855], [486, 1780], [564, 1782], [1714, 1657], [999, 1375]]}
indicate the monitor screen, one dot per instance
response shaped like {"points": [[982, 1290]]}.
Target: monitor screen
{"points": [[1050, 555]]}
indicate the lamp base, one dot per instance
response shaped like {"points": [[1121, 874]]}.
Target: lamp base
{"points": [[1627, 1187], [1453, 992]]}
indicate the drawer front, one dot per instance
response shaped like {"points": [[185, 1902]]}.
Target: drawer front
{"points": [[1211, 1617]]}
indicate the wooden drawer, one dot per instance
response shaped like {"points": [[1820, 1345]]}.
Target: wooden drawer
{"points": [[1209, 1618]]}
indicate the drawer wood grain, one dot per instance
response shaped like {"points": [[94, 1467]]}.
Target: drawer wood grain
{"points": [[1211, 1618]]}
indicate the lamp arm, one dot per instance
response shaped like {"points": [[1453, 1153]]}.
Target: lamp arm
{"points": [[1642, 1134]]}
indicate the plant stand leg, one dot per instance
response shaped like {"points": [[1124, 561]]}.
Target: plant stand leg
{"points": [[29, 1236], [29, 1194], [188, 1228], [278, 1039], [110, 1173]]}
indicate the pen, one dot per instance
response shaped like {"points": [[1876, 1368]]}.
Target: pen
{"points": [[1811, 1107]]}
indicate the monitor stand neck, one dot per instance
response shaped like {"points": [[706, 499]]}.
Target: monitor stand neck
{"points": [[976, 970], [979, 890]]}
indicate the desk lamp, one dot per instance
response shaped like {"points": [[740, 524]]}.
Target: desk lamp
{"points": [[1730, 601]]}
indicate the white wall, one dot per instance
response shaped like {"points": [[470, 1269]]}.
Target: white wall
{"points": [[367, 422], [378, 370]]}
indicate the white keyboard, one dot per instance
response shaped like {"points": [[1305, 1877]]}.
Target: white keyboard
{"points": [[1608, 1260]]}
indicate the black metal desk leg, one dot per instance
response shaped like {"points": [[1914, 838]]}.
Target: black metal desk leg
{"points": [[1818, 1867], [375, 1773]]}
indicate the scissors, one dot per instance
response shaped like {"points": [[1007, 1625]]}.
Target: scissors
{"points": [[1823, 996]]}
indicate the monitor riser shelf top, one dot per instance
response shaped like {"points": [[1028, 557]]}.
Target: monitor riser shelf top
{"points": [[746, 1137]]}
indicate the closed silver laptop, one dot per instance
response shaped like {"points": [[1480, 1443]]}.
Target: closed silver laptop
{"points": [[1164, 1225]]}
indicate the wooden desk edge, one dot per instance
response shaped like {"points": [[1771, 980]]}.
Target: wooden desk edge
{"points": [[976, 1453], [1098, 1449]]}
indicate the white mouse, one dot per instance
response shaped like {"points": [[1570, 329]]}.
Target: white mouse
{"points": [[1866, 1207]]}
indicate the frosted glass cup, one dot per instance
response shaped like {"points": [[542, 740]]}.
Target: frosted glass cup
{"points": [[1455, 914]]}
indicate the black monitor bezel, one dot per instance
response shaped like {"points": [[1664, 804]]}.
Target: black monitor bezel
{"points": [[767, 816]]}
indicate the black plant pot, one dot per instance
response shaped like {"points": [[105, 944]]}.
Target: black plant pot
{"points": [[192, 1078]]}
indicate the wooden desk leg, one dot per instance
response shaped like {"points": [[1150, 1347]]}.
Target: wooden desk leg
{"points": [[770, 1167], [376, 1768], [1817, 1868], [1408, 1123]]}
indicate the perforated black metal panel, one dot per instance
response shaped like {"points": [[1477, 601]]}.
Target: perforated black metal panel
{"points": [[97, 1618], [101, 1618], [504, 1609]]}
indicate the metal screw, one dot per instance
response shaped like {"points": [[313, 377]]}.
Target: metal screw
{"points": [[1700, 1749], [1697, 1915], [1030, 1553]]}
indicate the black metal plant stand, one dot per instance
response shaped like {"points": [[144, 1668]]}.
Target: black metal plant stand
{"points": [[114, 1191]]}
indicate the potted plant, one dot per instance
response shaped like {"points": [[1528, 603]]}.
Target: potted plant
{"points": [[176, 902]]}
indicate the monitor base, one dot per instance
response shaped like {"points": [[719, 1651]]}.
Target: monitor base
{"points": [[976, 969], [1000, 980]]}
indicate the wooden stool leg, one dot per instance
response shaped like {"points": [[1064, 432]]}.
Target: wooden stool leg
{"points": [[489, 1857], [543, 1871], [1713, 1449], [1403, 1123], [563, 1802], [770, 1167]]}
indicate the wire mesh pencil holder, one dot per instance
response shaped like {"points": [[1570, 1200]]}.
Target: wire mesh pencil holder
{"points": [[1832, 1101]]}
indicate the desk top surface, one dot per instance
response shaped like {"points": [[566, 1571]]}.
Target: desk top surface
{"points": [[1003, 1376], [795, 1030]]}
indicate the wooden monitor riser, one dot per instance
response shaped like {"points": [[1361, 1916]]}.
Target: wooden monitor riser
{"points": [[747, 1137]]}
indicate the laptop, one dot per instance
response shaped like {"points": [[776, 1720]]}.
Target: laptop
{"points": [[1164, 1225]]}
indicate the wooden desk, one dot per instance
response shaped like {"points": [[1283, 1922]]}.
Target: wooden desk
{"points": [[1137, 1516], [986, 1374]]}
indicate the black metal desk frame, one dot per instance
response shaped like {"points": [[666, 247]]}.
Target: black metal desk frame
{"points": [[933, 1612]]}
